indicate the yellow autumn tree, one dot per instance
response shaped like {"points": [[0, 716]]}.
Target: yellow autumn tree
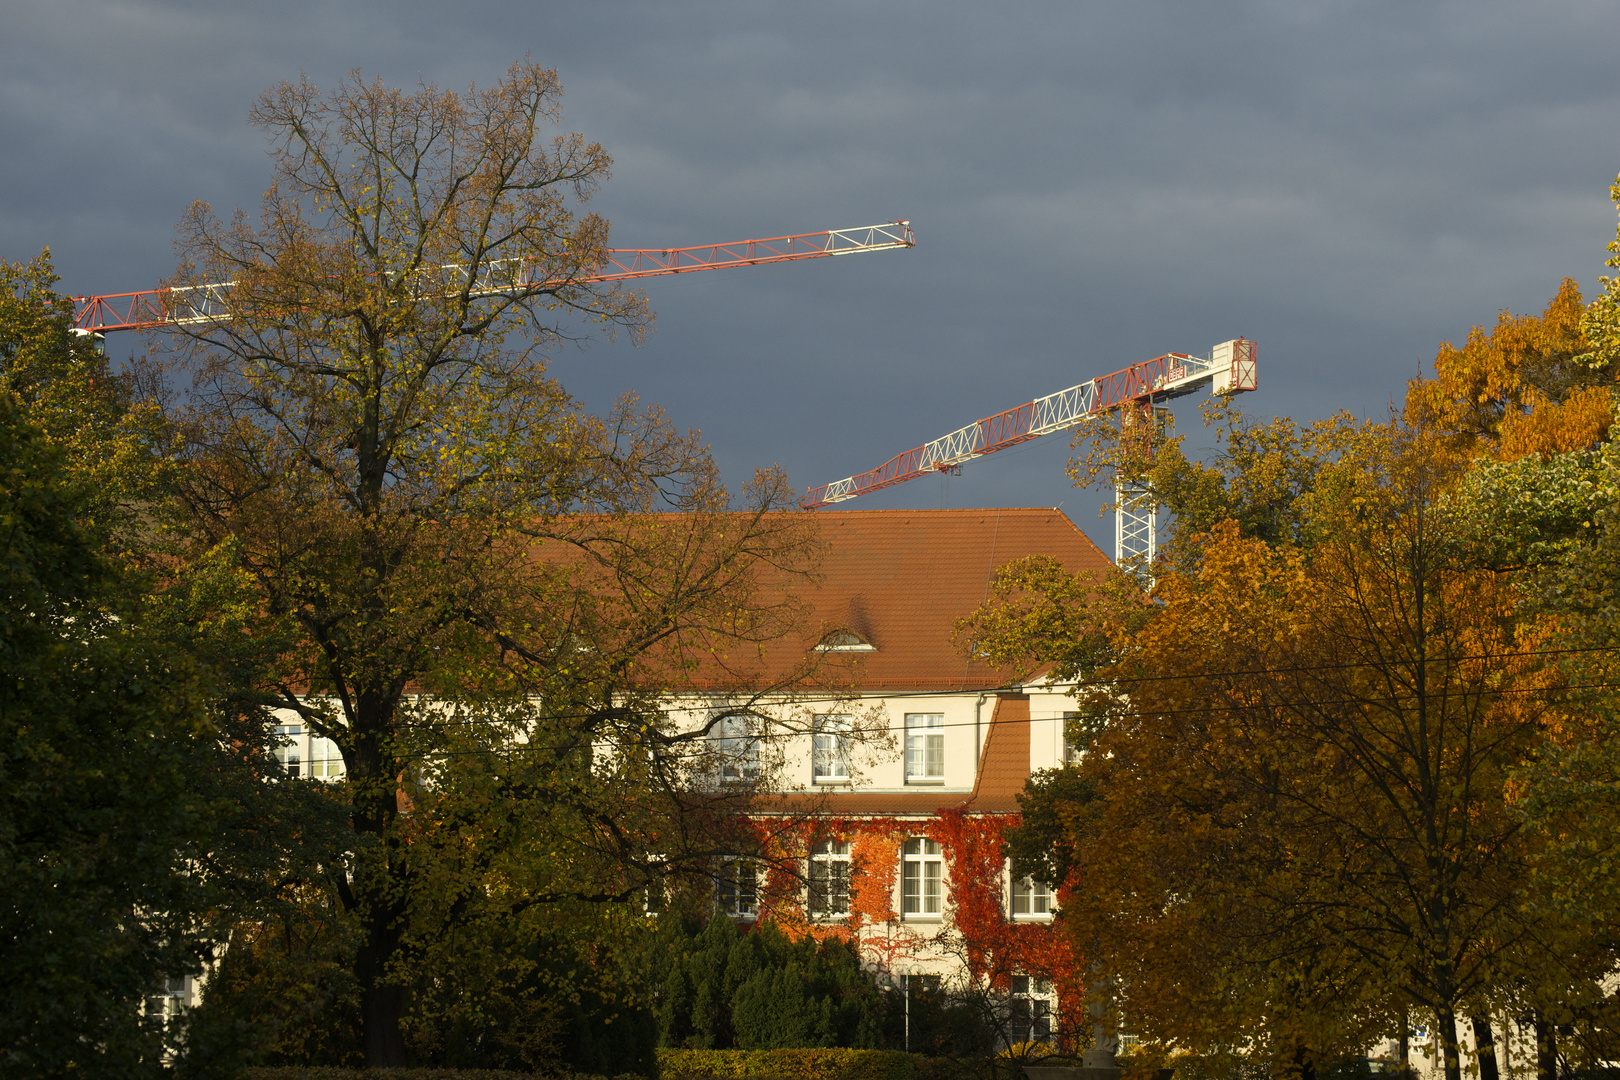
{"points": [[1333, 767], [1301, 802], [1527, 386]]}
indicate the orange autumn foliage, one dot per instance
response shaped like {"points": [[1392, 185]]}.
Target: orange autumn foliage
{"points": [[1302, 788], [1548, 427], [1520, 388]]}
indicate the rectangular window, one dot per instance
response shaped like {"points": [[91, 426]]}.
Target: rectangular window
{"points": [[737, 889], [830, 750], [289, 752], [922, 874], [172, 998], [829, 879], [739, 750], [925, 748], [1032, 1009], [1031, 897], [1071, 752], [325, 761]]}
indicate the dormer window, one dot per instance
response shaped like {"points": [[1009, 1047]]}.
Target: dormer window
{"points": [[845, 641]]}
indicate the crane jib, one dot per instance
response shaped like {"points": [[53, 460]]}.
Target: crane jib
{"points": [[152, 309], [1229, 369]]}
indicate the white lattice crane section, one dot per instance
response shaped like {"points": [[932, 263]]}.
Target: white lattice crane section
{"points": [[1230, 368], [154, 308]]}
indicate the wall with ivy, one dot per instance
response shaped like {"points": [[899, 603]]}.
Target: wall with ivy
{"points": [[974, 928]]}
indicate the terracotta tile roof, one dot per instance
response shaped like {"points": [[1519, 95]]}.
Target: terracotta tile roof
{"points": [[1004, 766], [900, 579]]}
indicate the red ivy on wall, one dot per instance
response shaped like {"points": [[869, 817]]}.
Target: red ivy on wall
{"points": [[975, 925]]}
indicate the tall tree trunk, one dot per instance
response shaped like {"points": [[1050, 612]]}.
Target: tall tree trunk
{"points": [[1546, 1048], [1445, 1019], [1304, 1062], [1484, 1047], [381, 1008], [381, 879], [1406, 1045], [382, 1003]]}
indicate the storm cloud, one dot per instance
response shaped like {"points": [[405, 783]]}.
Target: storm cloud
{"points": [[1090, 184]]}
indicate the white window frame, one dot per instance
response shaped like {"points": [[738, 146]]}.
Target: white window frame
{"points": [[173, 998], [304, 755], [739, 749], [922, 878], [925, 748], [325, 759], [845, 641], [829, 749], [1031, 899], [1071, 753], [736, 889], [290, 751], [1034, 1010], [828, 891]]}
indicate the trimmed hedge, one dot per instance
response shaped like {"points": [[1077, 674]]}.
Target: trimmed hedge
{"points": [[831, 1063], [801, 1064], [337, 1072], [930, 1067]]}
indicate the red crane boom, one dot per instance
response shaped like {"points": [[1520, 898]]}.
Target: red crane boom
{"points": [[153, 308], [1229, 369]]}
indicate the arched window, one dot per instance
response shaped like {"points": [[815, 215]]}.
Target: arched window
{"points": [[845, 641]]}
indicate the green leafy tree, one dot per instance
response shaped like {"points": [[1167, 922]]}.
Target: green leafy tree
{"points": [[238, 838], [1553, 520], [92, 412], [104, 729], [1600, 322], [1258, 476], [1053, 809]]}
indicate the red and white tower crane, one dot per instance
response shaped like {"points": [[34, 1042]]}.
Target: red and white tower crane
{"points": [[154, 308], [1229, 369]]}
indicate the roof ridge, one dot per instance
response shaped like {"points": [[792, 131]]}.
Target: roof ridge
{"points": [[948, 510]]}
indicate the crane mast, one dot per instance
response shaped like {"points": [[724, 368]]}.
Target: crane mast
{"points": [[154, 308], [1229, 369]]}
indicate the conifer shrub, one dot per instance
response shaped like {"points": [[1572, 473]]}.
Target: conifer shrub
{"points": [[725, 988]]}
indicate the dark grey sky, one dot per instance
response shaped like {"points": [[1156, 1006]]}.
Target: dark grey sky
{"points": [[1091, 185]]}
